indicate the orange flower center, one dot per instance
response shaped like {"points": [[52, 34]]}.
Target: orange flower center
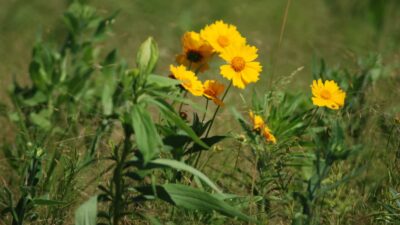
{"points": [[223, 41], [325, 94], [238, 64]]}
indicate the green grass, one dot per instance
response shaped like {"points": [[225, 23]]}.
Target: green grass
{"points": [[314, 28]]}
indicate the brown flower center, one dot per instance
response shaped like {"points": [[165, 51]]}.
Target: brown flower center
{"points": [[194, 56], [325, 94], [223, 41], [238, 64]]}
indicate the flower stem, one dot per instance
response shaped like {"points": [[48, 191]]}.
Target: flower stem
{"points": [[205, 113], [118, 200], [181, 105], [212, 122], [216, 111]]}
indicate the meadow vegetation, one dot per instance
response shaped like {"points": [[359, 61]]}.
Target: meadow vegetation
{"points": [[152, 118]]}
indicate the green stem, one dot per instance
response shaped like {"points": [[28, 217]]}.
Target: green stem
{"points": [[181, 105], [212, 122], [321, 177], [205, 113], [119, 182], [216, 111], [30, 182]]}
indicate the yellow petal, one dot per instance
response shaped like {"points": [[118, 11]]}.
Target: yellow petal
{"points": [[227, 72]]}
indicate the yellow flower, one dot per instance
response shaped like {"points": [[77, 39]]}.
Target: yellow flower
{"points": [[262, 128], [196, 52], [327, 94], [258, 122], [268, 135], [212, 89], [241, 68], [188, 79], [221, 36]]}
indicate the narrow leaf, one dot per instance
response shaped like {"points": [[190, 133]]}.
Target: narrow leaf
{"points": [[170, 113], [147, 137], [182, 166], [195, 199], [86, 214]]}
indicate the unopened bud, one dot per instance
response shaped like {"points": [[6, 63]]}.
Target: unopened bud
{"points": [[218, 148], [183, 115], [397, 119], [241, 138]]}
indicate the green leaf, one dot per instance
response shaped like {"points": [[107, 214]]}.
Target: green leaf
{"points": [[170, 113], [38, 98], [147, 56], [182, 166], [109, 82], [12, 159], [103, 26], [176, 141], [86, 214], [106, 98], [39, 76], [161, 81], [195, 199], [147, 137], [210, 141], [41, 119], [162, 94], [151, 219], [45, 201]]}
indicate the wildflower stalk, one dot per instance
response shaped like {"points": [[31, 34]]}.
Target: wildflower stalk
{"points": [[118, 180], [212, 121], [216, 111], [181, 105], [205, 113]]}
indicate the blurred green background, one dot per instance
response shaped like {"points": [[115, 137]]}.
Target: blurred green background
{"points": [[338, 30]]}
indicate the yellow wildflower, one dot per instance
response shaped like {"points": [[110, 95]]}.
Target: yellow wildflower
{"points": [[188, 79], [258, 122], [262, 128], [268, 135], [327, 94], [241, 68], [221, 36], [196, 52], [212, 89]]}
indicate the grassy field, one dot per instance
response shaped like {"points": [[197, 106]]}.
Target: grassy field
{"points": [[335, 30], [84, 122]]}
